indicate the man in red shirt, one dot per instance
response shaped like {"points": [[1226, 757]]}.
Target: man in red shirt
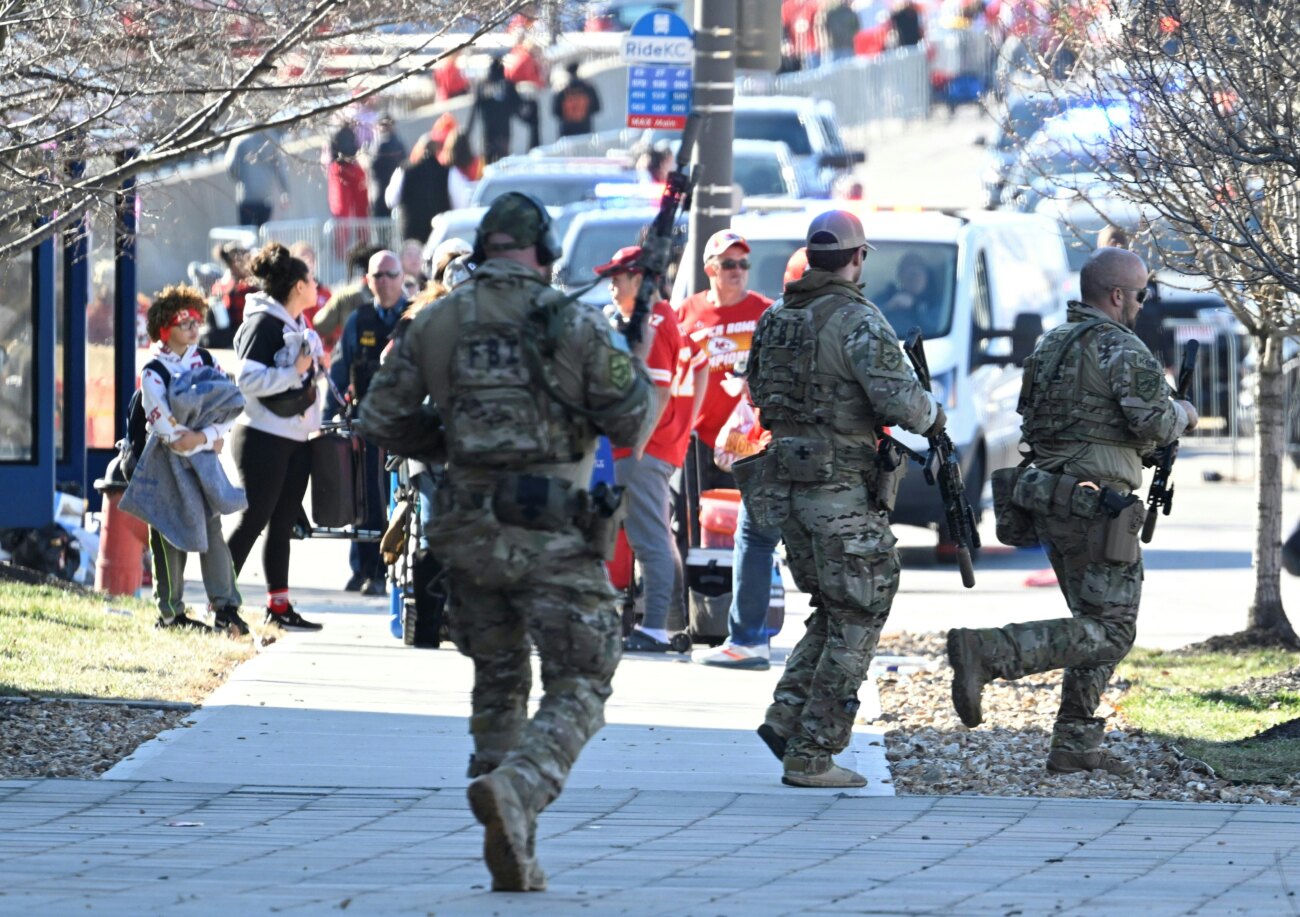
{"points": [[721, 320], [679, 371]]}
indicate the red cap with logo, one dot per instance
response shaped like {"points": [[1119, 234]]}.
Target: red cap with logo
{"points": [[623, 262]]}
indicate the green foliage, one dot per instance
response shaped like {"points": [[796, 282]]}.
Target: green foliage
{"points": [[56, 643], [1200, 705]]}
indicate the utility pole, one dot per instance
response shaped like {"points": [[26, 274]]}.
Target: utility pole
{"points": [[714, 98]]}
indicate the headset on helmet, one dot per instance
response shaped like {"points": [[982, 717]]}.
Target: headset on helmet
{"points": [[546, 244]]}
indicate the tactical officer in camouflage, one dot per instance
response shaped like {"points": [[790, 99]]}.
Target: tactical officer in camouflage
{"points": [[520, 382], [1094, 402], [826, 371]]}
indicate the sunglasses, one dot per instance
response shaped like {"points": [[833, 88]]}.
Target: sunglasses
{"points": [[1141, 294], [391, 275], [730, 264]]}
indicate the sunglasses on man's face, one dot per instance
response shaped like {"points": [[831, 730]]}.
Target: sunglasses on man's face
{"points": [[391, 275], [731, 264], [1140, 295]]}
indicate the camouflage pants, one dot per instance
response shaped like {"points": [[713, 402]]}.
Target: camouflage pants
{"points": [[561, 602], [843, 554], [1103, 600]]}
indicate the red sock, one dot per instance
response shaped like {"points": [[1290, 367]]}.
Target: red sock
{"points": [[278, 600]]}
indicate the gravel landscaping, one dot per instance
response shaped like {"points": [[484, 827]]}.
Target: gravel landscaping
{"points": [[931, 753], [79, 739]]}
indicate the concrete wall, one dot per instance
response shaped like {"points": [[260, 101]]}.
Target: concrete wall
{"points": [[179, 208]]}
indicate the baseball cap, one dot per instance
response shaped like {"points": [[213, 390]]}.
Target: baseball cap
{"points": [[722, 240], [515, 214], [836, 230], [623, 262]]}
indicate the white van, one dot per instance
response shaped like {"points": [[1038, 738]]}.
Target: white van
{"points": [[993, 282]]}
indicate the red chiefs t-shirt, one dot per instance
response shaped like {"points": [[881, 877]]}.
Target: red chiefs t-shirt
{"points": [[672, 360], [724, 334]]}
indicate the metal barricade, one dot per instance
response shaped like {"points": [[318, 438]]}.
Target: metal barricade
{"points": [[1217, 382], [287, 232], [341, 234], [866, 91], [244, 235]]}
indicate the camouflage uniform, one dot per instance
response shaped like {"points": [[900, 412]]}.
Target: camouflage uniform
{"points": [[826, 370], [521, 424], [1094, 401]]}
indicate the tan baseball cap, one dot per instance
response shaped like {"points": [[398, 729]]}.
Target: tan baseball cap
{"points": [[836, 230]]}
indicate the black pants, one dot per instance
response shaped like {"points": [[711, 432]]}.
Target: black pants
{"points": [[274, 471], [254, 213]]}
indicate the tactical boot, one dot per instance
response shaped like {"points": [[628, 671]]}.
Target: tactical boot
{"points": [[775, 740], [970, 673], [536, 878], [1060, 761], [480, 765], [802, 773], [1076, 747], [507, 825]]}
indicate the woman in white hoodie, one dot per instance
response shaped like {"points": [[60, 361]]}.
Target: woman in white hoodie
{"points": [[280, 362]]}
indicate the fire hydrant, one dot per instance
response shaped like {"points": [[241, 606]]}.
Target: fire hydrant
{"points": [[123, 538]]}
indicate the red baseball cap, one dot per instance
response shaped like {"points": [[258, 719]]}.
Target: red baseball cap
{"points": [[623, 262]]}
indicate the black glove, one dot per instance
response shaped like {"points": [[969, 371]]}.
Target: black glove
{"points": [[940, 422]]}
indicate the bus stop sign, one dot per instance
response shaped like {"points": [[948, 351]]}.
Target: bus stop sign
{"points": [[660, 51]]}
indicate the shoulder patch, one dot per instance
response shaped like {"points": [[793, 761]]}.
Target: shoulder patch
{"points": [[620, 369], [888, 356], [1146, 384]]}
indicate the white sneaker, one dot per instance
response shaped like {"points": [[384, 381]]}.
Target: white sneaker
{"points": [[734, 656]]}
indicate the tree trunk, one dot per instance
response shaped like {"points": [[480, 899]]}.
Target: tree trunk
{"points": [[1266, 612]]}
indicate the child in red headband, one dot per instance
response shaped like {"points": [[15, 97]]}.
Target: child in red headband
{"points": [[174, 322]]}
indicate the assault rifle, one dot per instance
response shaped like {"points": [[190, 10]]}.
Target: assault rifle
{"points": [[942, 464], [1160, 498], [657, 247]]}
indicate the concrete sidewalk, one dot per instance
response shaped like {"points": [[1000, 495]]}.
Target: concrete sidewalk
{"points": [[327, 775]]}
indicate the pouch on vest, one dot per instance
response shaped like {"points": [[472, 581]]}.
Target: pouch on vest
{"points": [[1045, 493], [534, 501], [1113, 537], [766, 496], [495, 416], [804, 459], [1015, 526], [600, 515], [885, 475]]}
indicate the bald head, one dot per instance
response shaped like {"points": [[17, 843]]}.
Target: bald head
{"points": [[1108, 268], [1114, 280]]}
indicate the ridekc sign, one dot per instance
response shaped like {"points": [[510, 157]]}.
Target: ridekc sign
{"points": [[659, 50]]}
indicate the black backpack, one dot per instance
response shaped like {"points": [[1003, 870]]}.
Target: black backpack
{"points": [[137, 433]]}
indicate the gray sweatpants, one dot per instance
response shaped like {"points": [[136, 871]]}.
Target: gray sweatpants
{"points": [[650, 533], [169, 572]]}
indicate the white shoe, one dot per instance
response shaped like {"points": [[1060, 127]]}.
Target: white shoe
{"points": [[734, 656]]}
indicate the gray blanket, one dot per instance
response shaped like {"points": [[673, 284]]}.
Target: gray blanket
{"points": [[174, 493]]}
